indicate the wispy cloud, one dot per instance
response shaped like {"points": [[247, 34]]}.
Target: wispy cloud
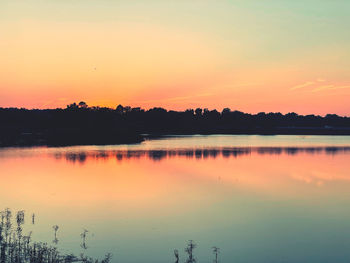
{"points": [[320, 88], [304, 85], [329, 87], [307, 84], [343, 87]]}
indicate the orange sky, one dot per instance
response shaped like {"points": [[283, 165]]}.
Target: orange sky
{"points": [[243, 55]]}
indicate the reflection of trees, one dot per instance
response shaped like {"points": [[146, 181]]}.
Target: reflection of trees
{"points": [[157, 155], [269, 150], [197, 153]]}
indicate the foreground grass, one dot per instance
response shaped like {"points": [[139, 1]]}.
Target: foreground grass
{"points": [[15, 247]]}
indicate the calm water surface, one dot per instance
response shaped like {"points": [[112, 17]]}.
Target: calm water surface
{"points": [[258, 198]]}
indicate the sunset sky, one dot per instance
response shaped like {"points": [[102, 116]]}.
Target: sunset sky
{"points": [[249, 55]]}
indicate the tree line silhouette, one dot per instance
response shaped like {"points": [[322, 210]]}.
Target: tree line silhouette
{"points": [[79, 124]]}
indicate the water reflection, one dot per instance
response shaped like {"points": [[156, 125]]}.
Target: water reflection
{"points": [[159, 155], [260, 204]]}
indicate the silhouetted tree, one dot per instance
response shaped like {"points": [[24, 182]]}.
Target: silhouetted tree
{"points": [[198, 112], [189, 111], [119, 109], [82, 105], [72, 106], [225, 111], [126, 109]]}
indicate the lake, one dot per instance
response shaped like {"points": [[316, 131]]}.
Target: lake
{"points": [[259, 199]]}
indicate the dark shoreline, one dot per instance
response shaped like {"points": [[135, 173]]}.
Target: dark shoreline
{"points": [[35, 140], [79, 124]]}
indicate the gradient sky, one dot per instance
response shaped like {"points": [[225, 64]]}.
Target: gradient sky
{"points": [[249, 55]]}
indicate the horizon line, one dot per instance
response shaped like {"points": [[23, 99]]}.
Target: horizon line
{"points": [[169, 110]]}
